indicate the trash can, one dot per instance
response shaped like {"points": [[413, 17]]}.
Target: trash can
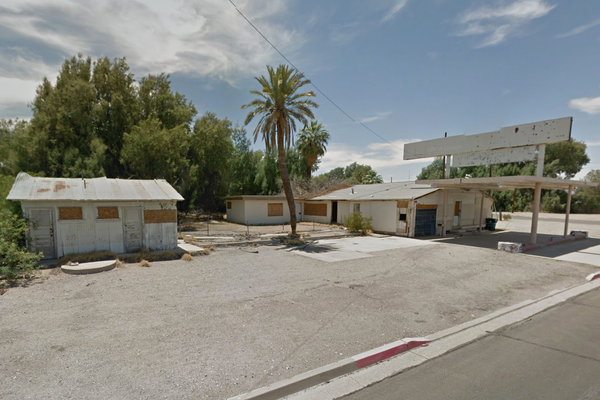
{"points": [[490, 224]]}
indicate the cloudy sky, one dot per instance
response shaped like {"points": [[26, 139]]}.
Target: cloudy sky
{"points": [[407, 69]]}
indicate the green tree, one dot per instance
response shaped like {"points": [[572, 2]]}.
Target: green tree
{"points": [[15, 260], [361, 174], [153, 151], [210, 153], [244, 165], [312, 143], [280, 106], [587, 198], [267, 174]]}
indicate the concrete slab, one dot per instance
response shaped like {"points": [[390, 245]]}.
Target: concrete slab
{"points": [[581, 257], [589, 299], [352, 248], [592, 250], [572, 328], [189, 247], [89, 268]]}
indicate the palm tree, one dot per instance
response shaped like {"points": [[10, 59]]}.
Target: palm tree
{"points": [[279, 107], [312, 143]]}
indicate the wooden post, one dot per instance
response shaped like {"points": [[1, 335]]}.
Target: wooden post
{"points": [[536, 211], [568, 210]]}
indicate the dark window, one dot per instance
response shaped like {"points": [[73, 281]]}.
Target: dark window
{"points": [[402, 217]]}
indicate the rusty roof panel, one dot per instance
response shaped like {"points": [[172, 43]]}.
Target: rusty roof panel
{"points": [[27, 187]]}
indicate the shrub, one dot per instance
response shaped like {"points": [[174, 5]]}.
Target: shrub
{"points": [[187, 257], [15, 260], [506, 217], [355, 223], [145, 264]]}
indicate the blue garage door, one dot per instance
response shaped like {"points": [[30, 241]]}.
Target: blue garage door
{"points": [[425, 223]]}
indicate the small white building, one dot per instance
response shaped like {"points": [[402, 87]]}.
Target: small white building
{"points": [[260, 210], [82, 215], [399, 208]]}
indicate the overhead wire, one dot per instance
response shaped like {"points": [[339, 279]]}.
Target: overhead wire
{"points": [[311, 82]]}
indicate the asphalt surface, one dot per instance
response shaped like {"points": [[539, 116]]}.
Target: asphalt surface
{"points": [[554, 355]]}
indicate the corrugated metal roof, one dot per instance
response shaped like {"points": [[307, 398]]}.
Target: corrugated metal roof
{"points": [[380, 191], [27, 187]]}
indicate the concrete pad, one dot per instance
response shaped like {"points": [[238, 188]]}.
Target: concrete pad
{"points": [[572, 328], [90, 267], [589, 299], [189, 247], [214, 238], [352, 248], [580, 257], [333, 256], [591, 250]]}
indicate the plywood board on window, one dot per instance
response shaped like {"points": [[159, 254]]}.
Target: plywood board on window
{"points": [[275, 210], [317, 210], [426, 206], [66, 213], [402, 204], [229, 205], [108, 212], [160, 216]]}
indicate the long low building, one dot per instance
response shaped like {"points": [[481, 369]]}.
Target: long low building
{"points": [[81, 215], [399, 208]]}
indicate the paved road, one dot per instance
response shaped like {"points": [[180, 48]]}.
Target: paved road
{"points": [[554, 355]]}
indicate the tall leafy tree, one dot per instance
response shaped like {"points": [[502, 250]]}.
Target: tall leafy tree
{"points": [[244, 165], [279, 106], [210, 154], [312, 143]]}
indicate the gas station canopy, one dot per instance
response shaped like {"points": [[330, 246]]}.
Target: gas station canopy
{"points": [[506, 183]]}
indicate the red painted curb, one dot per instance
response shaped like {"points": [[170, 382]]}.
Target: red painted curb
{"points": [[593, 276], [385, 352]]}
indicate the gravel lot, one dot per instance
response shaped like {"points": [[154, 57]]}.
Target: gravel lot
{"points": [[233, 321]]}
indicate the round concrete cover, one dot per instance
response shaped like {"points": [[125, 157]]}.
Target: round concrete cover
{"points": [[89, 268]]}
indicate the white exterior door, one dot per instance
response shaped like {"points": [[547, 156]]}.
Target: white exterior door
{"points": [[132, 229], [42, 233]]}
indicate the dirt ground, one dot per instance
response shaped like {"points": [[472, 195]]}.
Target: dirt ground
{"points": [[233, 321]]}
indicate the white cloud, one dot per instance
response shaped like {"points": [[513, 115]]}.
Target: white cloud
{"points": [[592, 144], [590, 105], [16, 91], [203, 39], [579, 29], [376, 117], [377, 155], [396, 8], [495, 24]]}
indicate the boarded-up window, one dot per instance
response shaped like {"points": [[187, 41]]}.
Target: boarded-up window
{"points": [[229, 205], [402, 204], [319, 210], [66, 213], [275, 210], [108, 212], [160, 216], [426, 206]]}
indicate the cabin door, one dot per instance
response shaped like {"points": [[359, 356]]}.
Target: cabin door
{"points": [[132, 229], [41, 230]]}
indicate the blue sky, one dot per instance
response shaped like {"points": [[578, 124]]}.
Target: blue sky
{"points": [[410, 70]]}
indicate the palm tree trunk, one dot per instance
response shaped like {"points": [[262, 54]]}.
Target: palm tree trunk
{"points": [[285, 177], [309, 171]]}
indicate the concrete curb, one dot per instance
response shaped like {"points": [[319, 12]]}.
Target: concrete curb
{"points": [[89, 267], [331, 371], [350, 375]]}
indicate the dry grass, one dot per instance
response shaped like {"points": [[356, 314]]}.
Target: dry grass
{"points": [[119, 264], [187, 257], [145, 264], [86, 257]]}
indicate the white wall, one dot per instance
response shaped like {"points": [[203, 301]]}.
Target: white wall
{"points": [[470, 208], [236, 213], [256, 212], [93, 234]]}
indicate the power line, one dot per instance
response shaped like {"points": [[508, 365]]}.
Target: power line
{"points": [[315, 86]]}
